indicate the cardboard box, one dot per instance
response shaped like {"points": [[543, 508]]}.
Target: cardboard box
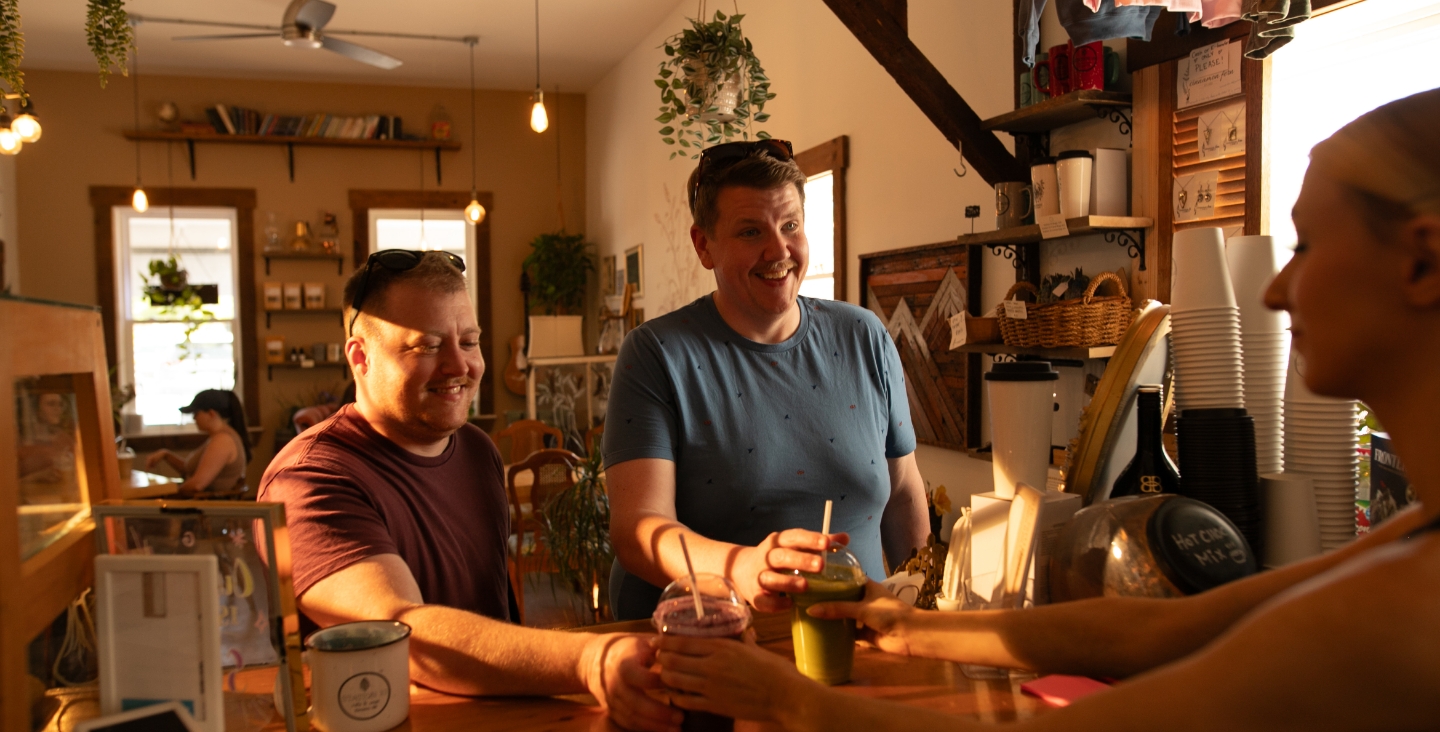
{"points": [[274, 349], [988, 516], [556, 335], [274, 296], [314, 295], [294, 300]]}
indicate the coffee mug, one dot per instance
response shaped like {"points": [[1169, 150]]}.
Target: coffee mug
{"points": [[1027, 90], [1044, 188], [1040, 77], [1087, 60], [1112, 68], [359, 676], [1062, 76], [1009, 211]]}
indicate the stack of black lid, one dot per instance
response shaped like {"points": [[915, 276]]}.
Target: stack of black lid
{"points": [[1217, 466]]}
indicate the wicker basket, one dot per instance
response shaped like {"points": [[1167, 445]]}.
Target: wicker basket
{"points": [[1090, 321]]}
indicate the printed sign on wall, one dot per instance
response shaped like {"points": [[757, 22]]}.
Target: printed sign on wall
{"points": [[1209, 73]]}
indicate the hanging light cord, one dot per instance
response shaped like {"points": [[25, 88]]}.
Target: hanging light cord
{"points": [[559, 199], [537, 44], [472, 118], [135, 85]]}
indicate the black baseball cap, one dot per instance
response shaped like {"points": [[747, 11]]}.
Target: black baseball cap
{"points": [[213, 399]]}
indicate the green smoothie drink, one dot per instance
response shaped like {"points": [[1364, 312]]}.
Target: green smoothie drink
{"points": [[825, 649]]}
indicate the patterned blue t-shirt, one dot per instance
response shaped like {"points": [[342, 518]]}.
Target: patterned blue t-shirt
{"points": [[762, 434]]}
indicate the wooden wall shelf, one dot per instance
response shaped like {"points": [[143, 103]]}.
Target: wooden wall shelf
{"points": [[339, 259], [1068, 353], [1077, 106], [290, 142], [336, 312], [1079, 226], [291, 365]]}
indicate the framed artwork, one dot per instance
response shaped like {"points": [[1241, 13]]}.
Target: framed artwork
{"points": [[914, 292], [57, 433], [257, 618], [635, 269], [607, 276]]}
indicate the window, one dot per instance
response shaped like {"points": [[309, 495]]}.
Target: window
{"points": [[444, 230], [824, 168], [1341, 65], [153, 353]]}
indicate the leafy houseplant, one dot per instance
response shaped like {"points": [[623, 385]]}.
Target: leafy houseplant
{"points": [[176, 297], [712, 85], [559, 265], [108, 32], [577, 529], [12, 47]]}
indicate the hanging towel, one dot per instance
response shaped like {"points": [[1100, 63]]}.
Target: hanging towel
{"points": [[1028, 26], [1217, 13], [1174, 6], [1274, 24], [1106, 21]]}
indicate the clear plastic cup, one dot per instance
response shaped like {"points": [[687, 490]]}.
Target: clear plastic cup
{"points": [[726, 616], [825, 649]]}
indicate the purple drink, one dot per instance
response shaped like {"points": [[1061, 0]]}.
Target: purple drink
{"points": [[726, 616]]}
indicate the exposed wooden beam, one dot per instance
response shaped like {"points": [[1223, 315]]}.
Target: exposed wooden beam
{"points": [[872, 22], [899, 12]]}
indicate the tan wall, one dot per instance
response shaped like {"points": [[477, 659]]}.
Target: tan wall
{"points": [[82, 146]]}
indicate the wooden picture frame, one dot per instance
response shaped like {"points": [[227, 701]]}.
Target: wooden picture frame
{"points": [[635, 269], [914, 292], [607, 276], [252, 545], [64, 344]]}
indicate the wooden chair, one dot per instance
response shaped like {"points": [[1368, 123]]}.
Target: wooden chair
{"points": [[592, 438], [526, 436], [552, 472]]}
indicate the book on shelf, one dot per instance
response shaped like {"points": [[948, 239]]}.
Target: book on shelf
{"points": [[226, 120], [232, 120]]}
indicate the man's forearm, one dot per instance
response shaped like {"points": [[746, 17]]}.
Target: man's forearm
{"points": [[652, 551], [458, 652]]}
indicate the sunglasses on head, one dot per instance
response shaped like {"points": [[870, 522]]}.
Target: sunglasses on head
{"points": [[395, 260], [717, 158]]}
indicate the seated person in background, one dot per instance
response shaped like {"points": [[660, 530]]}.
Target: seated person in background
{"points": [[735, 417], [1344, 641], [218, 465], [396, 506]]}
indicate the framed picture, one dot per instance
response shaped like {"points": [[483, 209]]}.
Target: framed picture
{"points": [[635, 269], [157, 625], [607, 276], [57, 436], [255, 597]]}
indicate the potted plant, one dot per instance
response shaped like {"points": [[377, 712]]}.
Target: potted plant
{"points": [[577, 529], [173, 294], [711, 85], [558, 267]]}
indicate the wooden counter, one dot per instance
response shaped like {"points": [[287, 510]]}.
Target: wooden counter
{"points": [[938, 685]]}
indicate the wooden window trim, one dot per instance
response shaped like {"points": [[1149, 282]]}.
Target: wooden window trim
{"points": [[104, 198], [361, 201], [833, 156]]}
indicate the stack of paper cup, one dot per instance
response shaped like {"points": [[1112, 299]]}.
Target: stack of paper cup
{"points": [[1322, 443], [1205, 324], [1292, 524], [1264, 344]]}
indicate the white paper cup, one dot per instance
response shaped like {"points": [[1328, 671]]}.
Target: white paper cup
{"points": [[1292, 523], [1072, 169], [1201, 275], [359, 676], [1253, 265]]}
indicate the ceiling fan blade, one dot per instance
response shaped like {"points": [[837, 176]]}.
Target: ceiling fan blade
{"points": [[223, 37], [360, 53], [312, 14]]}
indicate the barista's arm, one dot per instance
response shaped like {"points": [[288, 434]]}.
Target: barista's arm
{"points": [[460, 652], [646, 535], [906, 521], [1108, 636]]}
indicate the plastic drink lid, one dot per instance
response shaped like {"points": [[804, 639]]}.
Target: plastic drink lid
{"points": [[840, 566]]}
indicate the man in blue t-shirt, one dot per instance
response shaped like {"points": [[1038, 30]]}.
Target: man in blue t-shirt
{"points": [[733, 419]]}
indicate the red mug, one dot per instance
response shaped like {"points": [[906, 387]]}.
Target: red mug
{"points": [[1062, 80], [1087, 64], [1040, 76]]}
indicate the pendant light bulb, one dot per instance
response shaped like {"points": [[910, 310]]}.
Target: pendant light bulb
{"points": [[474, 213], [25, 125], [539, 120], [140, 202], [10, 142]]}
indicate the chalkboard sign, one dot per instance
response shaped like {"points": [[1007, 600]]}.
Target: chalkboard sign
{"points": [[1199, 547]]}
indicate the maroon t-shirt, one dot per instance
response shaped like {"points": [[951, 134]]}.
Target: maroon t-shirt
{"points": [[351, 493]]}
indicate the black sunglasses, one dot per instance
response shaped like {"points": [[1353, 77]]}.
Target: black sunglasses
{"points": [[395, 260], [720, 157]]}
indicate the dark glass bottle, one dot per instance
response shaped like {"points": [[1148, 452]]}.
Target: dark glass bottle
{"points": [[1150, 472]]}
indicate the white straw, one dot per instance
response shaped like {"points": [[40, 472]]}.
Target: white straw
{"points": [[695, 586], [825, 527]]}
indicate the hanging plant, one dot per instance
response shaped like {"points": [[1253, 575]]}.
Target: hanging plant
{"points": [[173, 294], [108, 31], [712, 86], [12, 47], [559, 265]]}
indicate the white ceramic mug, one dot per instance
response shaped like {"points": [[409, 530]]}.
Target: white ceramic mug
{"points": [[1022, 399], [359, 676], [1043, 187]]}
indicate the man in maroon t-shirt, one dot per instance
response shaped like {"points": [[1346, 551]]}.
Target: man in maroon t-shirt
{"points": [[396, 507]]}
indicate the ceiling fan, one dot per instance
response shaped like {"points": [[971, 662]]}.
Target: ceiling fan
{"points": [[303, 26]]}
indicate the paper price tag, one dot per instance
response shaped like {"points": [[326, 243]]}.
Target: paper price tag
{"points": [[1060, 289], [1015, 310], [957, 330], [1053, 227]]}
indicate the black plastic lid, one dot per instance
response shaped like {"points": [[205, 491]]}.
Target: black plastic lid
{"points": [[1217, 413], [1200, 549], [1074, 154], [1022, 371], [1042, 161]]}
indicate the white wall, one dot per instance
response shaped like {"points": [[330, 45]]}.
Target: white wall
{"points": [[901, 188]]}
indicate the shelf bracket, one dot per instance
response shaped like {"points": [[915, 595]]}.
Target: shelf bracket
{"points": [[437, 166], [1119, 117], [1013, 252], [267, 274], [1134, 243], [1039, 143], [290, 152], [190, 147]]}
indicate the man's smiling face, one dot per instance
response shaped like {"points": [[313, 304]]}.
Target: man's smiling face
{"points": [[758, 251]]}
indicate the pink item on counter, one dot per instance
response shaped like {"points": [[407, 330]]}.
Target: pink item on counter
{"points": [[1059, 691]]}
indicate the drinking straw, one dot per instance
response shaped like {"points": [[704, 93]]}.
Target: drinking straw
{"points": [[694, 586], [825, 527]]}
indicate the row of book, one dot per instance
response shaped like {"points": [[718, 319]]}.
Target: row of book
{"points": [[240, 121]]}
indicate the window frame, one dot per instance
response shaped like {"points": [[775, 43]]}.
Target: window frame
{"points": [[103, 199], [416, 214], [832, 156]]}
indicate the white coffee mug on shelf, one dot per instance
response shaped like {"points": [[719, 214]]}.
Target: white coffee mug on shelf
{"points": [[1044, 188], [359, 676], [1072, 169], [1022, 400]]}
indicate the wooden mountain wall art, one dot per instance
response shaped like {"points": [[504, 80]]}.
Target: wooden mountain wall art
{"points": [[915, 292]]}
